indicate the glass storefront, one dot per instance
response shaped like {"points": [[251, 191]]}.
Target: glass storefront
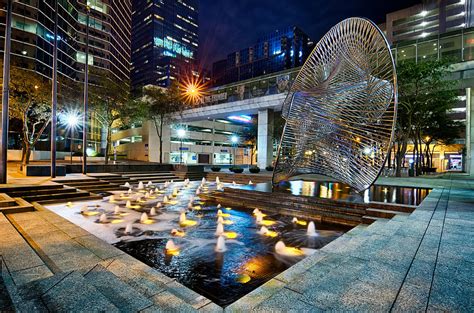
{"points": [[222, 158], [188, 157]]}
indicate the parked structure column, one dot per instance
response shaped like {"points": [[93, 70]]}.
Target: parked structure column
{"points": [[265, 138], [469, 132]]}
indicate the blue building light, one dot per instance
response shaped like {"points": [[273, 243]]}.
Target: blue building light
{"points": [[240, 118], [172, 46]]}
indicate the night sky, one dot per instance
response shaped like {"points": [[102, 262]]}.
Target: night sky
{"points": [[230, 25]]}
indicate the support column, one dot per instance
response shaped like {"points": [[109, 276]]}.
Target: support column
{"points": [[469, 133], [264, 138]]}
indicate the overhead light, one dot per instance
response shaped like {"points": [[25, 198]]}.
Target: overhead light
{"points": [[24, 52], [240, 118], [424, 13], [423, 34]]}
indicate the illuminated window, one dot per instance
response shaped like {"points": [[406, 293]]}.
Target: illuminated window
{"points": [[81, 58]]}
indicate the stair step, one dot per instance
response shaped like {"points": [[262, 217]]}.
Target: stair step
{"points": [[74, 292], [20, 206], [116, 291], [57, 196], [91, 196], [6, 200], [41, 192], [11, 188], [371, 219], [384, 213]]}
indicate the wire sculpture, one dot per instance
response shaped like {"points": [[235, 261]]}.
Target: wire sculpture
{"points": [[341, 109]]}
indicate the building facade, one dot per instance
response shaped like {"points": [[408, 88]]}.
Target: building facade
{"points": [[278, 51], [32, 36], [429, 18], [33, 40], [164, 41]]}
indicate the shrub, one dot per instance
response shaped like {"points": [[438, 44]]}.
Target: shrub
{"points": [[215, 169], [269, 168], [77, 153], [99, 155], [237, 170], [254, 169]]}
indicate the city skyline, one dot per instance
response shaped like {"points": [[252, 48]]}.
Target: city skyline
{"points": [[226, 27]]}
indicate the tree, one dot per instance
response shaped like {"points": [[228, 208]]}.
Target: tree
{"points": [[249, 135], [425, 96], [30, 103], [162, 104], [111, 105]]}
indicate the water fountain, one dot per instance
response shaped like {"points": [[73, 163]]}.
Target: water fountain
{"points": [[84, 209], [218, 181], [150, 183], [127, 184], [69, 204], [198, 191], [112, 199], [311, 231], [129, 229], [234, 183], [177, 233], [144, 218], [299, 222], [171, 248], [250, 182], [103, 218], [129, 191], [165, 199], [282, 249], [175, 192], [128, 204], [152, 211], [183, 221], [158, 205], [220, 246], [147, 194], [219, 229], [116, 209], [203, 181], [219, 213], [140, 186], [219, 206], [190, 205]]}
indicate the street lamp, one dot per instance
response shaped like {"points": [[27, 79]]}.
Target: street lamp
{"points": [[234, 139], [181, 134], [71, 121]]}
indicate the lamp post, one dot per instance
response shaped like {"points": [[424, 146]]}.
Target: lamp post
{"points": [[86, 97], [5, 94], [181, 134], [54, 92], [234, 139], [71, 121]]}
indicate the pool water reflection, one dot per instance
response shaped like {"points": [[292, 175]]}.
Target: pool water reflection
{"points": [[340, 191]]}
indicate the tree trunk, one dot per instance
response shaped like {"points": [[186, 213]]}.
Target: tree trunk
{"points": [[25, 156], [107, 144], [160, 137]]}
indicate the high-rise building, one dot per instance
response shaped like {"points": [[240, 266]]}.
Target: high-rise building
{"points": [[429, 18], [164, 40], [33, 37], [280, 50]]}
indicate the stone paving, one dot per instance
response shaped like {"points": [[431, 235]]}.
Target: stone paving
{"points": [[420, 262]]}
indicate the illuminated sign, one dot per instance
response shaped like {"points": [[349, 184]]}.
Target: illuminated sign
{"points": [[172, 47], [240, 118]]}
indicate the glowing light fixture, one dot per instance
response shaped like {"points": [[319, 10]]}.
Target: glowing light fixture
{"points": [[240, 118]]}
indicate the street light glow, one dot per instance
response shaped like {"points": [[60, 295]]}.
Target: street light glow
{"points": [[234, 139], [192, 90], [181, 133], [70, 119]]}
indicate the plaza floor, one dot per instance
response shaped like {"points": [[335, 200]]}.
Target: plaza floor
{"points": [[420, 262]]}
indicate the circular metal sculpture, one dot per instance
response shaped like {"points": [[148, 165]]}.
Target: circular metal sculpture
{"points": [[341, 109]]}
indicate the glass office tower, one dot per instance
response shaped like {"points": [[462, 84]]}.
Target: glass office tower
{"points": [[164, 40]]}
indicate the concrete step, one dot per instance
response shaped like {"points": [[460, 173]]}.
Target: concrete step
{"points": [[384, 213], [10, 188], [75, 293], [366, 219], [63, 196], [20, 206], [6, 304], [116, 291], [6, 200], [41, 192], [90, 196]]}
